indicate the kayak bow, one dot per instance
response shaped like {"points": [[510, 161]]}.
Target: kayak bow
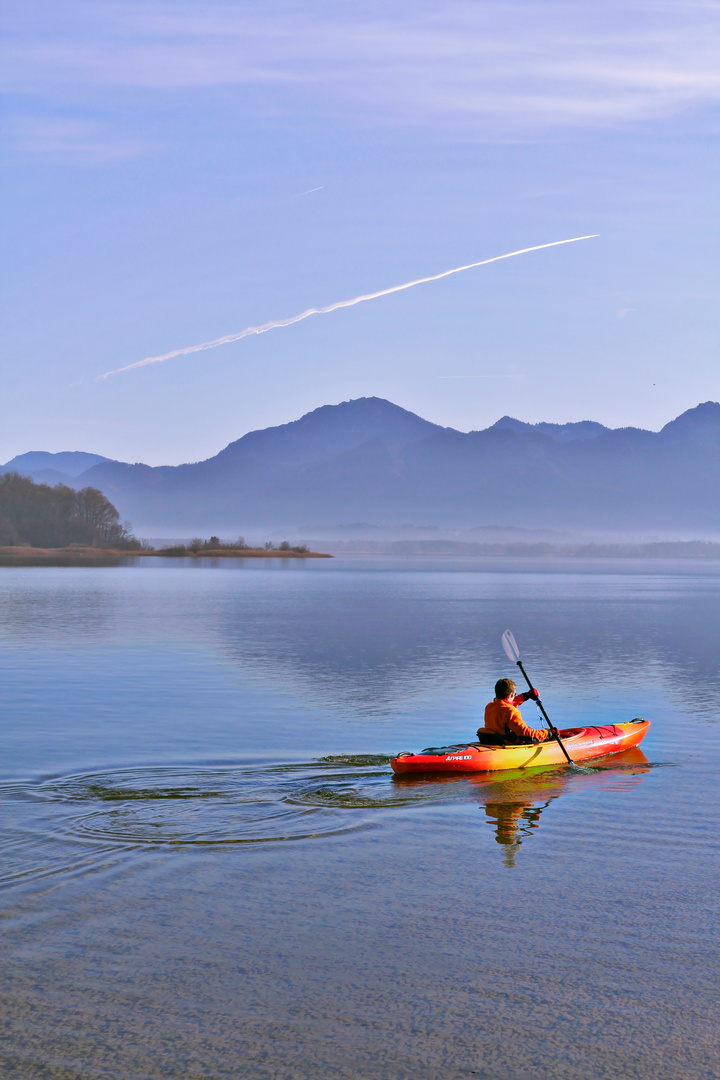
{"points": [[583, 744]]}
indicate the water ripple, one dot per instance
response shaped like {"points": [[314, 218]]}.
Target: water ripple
{"points": [[206, 805], [52, 823]]}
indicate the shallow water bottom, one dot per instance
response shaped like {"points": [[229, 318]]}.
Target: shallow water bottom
{"points": [[208, 869], [216, 922]]}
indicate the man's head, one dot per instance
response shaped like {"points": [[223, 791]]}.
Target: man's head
{"points": [[504, 688]]}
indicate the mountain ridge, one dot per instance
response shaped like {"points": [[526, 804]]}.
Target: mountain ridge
{"points": [[370, 460]]}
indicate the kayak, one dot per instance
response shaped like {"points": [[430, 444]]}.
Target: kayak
{"points": [[581, 743]]}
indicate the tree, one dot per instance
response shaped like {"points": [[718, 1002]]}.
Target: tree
{"points": [[100, 517], [44, 516]]}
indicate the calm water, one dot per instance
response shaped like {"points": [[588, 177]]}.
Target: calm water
{"points": [[208, 870]]}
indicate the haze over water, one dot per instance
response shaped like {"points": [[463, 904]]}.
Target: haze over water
{"points": [[209, 871]]}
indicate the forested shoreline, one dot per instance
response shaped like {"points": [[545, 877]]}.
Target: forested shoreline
{"points": [[42, 516], [38, 521]]}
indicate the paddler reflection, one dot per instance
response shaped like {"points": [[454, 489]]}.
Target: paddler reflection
{"points": [[513, 822], [514, 802]]}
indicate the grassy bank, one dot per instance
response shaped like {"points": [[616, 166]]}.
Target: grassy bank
{"points": [[77, 555]]}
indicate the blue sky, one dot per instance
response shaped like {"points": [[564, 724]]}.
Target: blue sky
{"points": [[159, 160]]}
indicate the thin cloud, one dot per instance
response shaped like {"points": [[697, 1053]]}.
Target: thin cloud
{"points": [[494, 65], [69, 140]]}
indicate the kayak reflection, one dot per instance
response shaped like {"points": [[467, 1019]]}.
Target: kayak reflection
{"points": [[512, 806], [514, 801]]}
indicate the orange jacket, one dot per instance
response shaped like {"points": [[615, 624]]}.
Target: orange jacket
{"points": [[503, 716]]}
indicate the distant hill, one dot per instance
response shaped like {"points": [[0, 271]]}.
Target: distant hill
{"points": [[368, 460], [585, 429], [46, 468]]}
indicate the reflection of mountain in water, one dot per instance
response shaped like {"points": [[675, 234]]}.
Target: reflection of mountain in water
{"points": [[367, 651], [372, 640]]}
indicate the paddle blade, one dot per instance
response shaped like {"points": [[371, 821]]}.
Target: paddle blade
{"points": [[509, 644]]}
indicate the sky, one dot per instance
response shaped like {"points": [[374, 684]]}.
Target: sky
{"points": [[176, 172]]}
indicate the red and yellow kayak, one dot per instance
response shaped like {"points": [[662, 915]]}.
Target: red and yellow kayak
{"points": [[582, 744]]}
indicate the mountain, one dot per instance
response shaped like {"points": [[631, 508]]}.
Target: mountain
{"points": [[585, 429], [46, 468], [698, 426], [371, 461], [329, 431]]}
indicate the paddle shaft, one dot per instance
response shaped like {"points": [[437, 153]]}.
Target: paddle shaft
{"points": [[553, 730]]}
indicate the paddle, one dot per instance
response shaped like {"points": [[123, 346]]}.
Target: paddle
{"points": [[512, 652]]}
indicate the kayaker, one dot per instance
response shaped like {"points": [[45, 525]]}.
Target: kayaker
{"points": [[502, 716]]}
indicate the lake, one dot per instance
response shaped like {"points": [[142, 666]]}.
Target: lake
{"points": [[209, 871]]}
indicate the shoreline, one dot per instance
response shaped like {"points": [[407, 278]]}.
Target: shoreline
{"points": [[79, 555], [23, 555]]}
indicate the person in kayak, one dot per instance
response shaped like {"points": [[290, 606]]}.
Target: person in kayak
{"points": [[502, 716]]}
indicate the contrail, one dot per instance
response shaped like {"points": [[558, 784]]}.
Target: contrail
{"points": [[331, 307]]}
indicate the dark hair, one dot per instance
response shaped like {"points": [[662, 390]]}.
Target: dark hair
{"points": [[504, 688]]}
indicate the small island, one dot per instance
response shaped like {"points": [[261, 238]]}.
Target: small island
{"points": [[215, 548], [59, 526], [80, 555]]}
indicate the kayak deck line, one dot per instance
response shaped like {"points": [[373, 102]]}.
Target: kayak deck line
{"points": [[582, 743]]}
